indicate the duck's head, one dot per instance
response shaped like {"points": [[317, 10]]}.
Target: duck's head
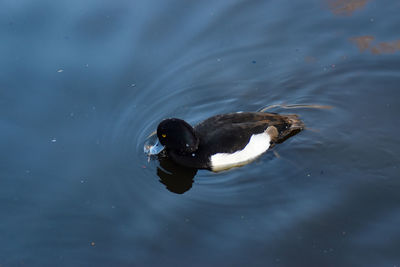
{"points": [[177, 135]]}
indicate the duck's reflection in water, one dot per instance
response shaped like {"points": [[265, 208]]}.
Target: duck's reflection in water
{"points": [[177, 179]]}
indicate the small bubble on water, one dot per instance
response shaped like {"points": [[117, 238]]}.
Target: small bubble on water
{"points": [[60, 70], [53, 140]]}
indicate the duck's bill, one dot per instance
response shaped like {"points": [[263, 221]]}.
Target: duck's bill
{"points": [[153, 149]]}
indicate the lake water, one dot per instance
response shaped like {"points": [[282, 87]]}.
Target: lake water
{"points": [[83, 83]]}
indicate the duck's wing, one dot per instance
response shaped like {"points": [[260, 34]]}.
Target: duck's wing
{"points": [[231, 132]]}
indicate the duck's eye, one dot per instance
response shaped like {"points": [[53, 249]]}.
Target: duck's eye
{"points": [[164, 135]]}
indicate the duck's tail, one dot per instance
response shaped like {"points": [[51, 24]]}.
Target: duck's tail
{"points": [[292, 126]]}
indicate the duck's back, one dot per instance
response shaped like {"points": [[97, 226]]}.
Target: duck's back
{"points": [[239, 127]]}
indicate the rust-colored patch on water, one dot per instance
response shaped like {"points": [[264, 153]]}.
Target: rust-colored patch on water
{"points": [[362, 42], [346, 7], [386, 47], [365, 43]]}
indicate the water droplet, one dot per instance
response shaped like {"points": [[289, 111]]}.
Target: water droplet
{"points": [[60, 70], [193, 154], [53, 140]]}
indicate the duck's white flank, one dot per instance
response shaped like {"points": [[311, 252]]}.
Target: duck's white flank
{"points": [[258, 144]]}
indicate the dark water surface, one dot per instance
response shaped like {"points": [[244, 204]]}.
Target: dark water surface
{"points": [[83, 83]]}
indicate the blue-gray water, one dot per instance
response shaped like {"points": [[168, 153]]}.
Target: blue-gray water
{"points": [[83, 83]]}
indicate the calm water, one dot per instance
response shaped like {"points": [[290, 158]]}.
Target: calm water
{"points": [[83, 83]]}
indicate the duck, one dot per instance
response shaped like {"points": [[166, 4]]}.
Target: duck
{"points": [[225, 141]]}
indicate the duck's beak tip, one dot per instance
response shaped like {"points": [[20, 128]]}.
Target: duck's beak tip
{"points": [[155, 149]]}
